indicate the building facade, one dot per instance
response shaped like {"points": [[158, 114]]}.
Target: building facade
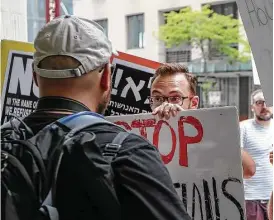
{"points": [[13, 20], [21, 19], [132, 27]]}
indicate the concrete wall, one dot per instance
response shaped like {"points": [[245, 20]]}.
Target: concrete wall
{"points": [[116, 12], [13, 20]]}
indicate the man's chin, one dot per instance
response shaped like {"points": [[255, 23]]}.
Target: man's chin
{"points": [[264, 117]]}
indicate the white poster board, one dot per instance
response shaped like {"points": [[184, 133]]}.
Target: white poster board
{"points": [[257, 16], [201, 150], [256, 78]]}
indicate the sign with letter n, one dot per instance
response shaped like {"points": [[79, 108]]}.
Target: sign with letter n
{"points": [[19, 92]]}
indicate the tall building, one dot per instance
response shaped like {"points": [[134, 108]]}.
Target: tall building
{"points": [[132, 27], [13, 20]]}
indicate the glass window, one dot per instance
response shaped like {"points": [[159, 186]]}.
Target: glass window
{"points": [[104, 24], [66, 7], [226, 9], [36, 11], [135, 31], [179, 56]]}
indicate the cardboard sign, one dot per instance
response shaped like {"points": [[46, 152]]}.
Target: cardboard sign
{"points": [[203, 158], [257, 16], [19, 93], [131, 81]]}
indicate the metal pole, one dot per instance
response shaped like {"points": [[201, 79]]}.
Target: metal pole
{"points": [[47, 11]]}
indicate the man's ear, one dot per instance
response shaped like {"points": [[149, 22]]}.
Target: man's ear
{"points": [[34, 75], [106, 78], [194, 102]]}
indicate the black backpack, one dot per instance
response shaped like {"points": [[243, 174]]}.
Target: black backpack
{"points": [[30, 165]]}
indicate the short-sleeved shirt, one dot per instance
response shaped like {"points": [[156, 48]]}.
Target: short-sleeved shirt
{"points": [[257, 141], [145, 188]]}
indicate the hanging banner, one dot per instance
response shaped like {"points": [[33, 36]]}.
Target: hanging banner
{"points": [[131, 81], [130, 86]]}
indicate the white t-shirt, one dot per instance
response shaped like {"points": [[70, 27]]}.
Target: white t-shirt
{"points": [[257, 141]]}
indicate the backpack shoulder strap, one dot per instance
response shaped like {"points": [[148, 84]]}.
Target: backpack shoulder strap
{"points": [[82, 120], [110, 151], [77, 122]]}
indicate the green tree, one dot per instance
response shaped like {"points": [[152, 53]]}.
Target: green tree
{"points": [[205, 30]]}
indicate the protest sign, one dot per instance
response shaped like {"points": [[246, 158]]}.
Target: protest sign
{"points": [[256, 78], [19, 93], [131, 84], [203, 158], [257, 16]]}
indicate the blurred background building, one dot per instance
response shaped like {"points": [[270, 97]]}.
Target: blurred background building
{"points": [[132, 27]]}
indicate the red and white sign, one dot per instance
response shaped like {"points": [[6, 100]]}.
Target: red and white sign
{"points": [[201, 149], [52, 9]]}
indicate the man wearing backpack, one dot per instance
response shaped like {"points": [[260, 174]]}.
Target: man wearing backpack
{"points": [[72, 71]]}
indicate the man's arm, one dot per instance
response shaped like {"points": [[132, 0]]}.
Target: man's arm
{"points": [[249, 167], [144, 186]]}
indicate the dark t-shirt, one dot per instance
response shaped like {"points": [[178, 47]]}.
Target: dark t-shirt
{"points": [[145, 189]]}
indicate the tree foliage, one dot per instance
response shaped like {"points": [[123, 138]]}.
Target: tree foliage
{"points": [[205, 30]]}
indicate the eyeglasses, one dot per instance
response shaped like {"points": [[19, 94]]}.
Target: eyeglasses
{"points": [[159, 100], [260, 103]]}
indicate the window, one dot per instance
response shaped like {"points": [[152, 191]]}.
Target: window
{"points": [[226, 9], [178, 56], [135, 31], [36, 17], [66, 7], [36, 12], [104, 24], [165, 19]]}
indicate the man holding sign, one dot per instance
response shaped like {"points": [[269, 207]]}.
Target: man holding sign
{"points": [[173, 90]]}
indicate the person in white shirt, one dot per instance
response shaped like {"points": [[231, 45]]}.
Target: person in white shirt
{"points": [[256, 139]]}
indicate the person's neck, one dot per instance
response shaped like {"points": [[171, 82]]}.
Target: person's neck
{"points": [[263, 123], [88, 100]]}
